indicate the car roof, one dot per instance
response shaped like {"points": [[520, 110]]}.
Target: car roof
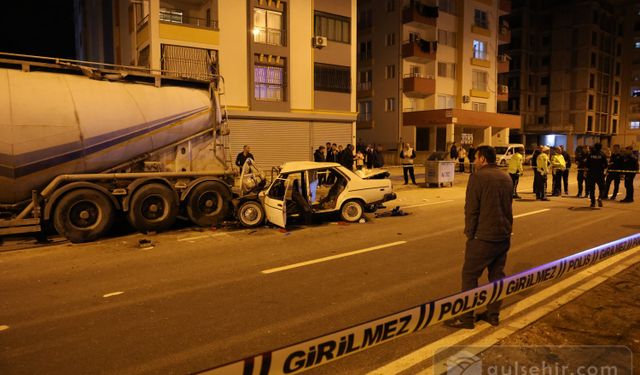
{"points": [[296, 166]]}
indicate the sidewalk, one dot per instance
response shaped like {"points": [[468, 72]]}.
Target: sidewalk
{"points": [[606, 315]]}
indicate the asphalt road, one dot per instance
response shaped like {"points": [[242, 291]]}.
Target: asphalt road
{"points": [[198, 299]]}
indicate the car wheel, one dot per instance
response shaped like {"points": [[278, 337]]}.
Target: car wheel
{"points": [[207, 204], [351, 211], [251, 214], [83, 215], [153, 208]]}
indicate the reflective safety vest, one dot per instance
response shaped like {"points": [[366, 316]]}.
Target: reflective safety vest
{"points": [[515, 164]]}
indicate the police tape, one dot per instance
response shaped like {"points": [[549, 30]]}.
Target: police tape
{"points": [[321, 350]]}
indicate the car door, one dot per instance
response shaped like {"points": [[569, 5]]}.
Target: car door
{"points": [[274, 202]]}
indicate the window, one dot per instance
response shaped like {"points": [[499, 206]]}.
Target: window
{"points": [[364, 80], [618, 69], [541, 120], [590, 103], [332, 78], [269, 83], [479, 50], [479, 80], [447, 38], [589, 123], [635, 92], [415, 71], [614, 126], [594, 38], [391, 5], [364, 110], [365, 51], [479, 107], [615, 107], [267, 27], [448, 6], [390, 104], [445, 101], [544, 61], [333, 27], [544, 81], [636, 45], [170, 15], [390, 39], [390, 71], [616, 88], [544, 100], [594, 60], [592, 81], [634, 125], [546, 40], [447, 70], [480, 19]]}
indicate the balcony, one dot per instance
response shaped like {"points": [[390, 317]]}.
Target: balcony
{"points": [[503, 64], [504, 6], [364, 121], [503, 93], [419, 51], [365, 90], [504, 34], [420, 16], [178, 17], [417, 86]]}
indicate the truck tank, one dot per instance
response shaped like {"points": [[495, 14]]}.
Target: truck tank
{"points": [[53, 124]]}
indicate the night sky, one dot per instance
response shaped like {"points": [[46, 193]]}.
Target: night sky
{"points": [[43, 28]]}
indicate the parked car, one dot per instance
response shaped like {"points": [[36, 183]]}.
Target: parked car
{"points": [[504, 153], [310, 188]]}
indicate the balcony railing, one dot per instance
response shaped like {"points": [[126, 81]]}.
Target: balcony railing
{"points": [[177, 17], [417, 86], [420, 15], [419, 50]]}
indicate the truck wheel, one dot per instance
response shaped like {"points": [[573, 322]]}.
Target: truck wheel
{"points": [[153, 207], [83, 215], [351, 211], [208, 203], [251, 214]]}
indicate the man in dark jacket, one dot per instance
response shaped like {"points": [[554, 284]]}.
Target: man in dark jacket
{"points": [[615, 164], [596, 166], [319, 155], [534, 166], [488, 223], [378, 158], [565, 173], [630, 166], [346, 157], [581, 164], [244, 155]]}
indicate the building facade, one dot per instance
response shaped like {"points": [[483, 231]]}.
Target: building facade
{"points": [[428, 73], [629, 130], [288, 66], [566, 77]]}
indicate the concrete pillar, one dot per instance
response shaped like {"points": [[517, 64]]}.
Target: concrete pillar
{"points": [[450, 134], [487, 136], [433, 133], [154, 34], [501, 137]]}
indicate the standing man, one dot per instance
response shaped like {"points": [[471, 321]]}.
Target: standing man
{"points": [[453, 152], [596, 166], [244, 155], [615, 164], [488, 224], [346, 157], [581, 173], [319, 155], [543, 167], [565, 174], [408, 155], [558, 166], [630, 165], [516, 170], [471, 155], [378, 157]]}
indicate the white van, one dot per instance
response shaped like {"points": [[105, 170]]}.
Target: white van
{"points": [[504, 153]]}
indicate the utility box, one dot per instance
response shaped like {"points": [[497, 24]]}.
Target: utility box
{"points": [[439, 173]]}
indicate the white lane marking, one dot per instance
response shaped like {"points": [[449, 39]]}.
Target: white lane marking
{"points": [[574, 284], [208, 236], [319, 260], [532, 213], [112, 294], [4, 328], [427, 204]]}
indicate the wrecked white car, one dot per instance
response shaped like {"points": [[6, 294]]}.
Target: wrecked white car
{"points": [[305, 189]]}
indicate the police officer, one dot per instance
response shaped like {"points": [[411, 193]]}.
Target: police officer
{"points": [[543, 167], [581, 163], [596, 166], [516, 170], [630, 165], [534, 168], [488, 221], [558, 165], [615, 164], [565, 174]]}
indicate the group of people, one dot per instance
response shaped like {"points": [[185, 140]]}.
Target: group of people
{"points": [[349, 157], [594, 169], [461, 154]]}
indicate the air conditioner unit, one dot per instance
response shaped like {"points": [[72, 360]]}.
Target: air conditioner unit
{"points": [[466, 99], [503, 89], [319, 41]]}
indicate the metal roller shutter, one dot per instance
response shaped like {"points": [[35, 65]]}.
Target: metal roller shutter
{"points": [[338, 133], [272, 142]]}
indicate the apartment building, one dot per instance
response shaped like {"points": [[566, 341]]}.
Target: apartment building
{"points": [[629, 130], [566, 76], [428, 73], [288, 65]]}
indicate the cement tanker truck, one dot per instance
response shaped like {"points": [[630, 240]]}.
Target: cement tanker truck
{"points": [[81, 143]]}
